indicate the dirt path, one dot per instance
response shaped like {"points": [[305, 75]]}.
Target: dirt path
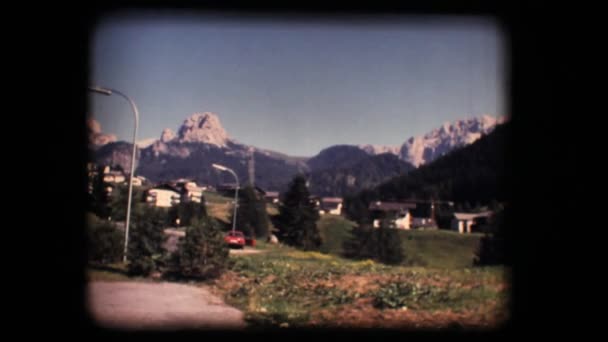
{"points": [[143, 305]]}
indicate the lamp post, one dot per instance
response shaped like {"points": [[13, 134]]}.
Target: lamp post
{"points": [[236, 193], [108, 92]]}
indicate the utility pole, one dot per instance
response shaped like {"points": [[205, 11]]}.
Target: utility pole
{"points": [[251, 166]]}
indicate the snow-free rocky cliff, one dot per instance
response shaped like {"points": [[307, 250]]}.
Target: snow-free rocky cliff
{"points": [[425, 148], [201, 140]]}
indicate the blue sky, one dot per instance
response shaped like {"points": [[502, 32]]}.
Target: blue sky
{"points": [[297, 86]]}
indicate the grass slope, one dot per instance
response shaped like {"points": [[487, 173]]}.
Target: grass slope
{"points": [[430, 248], [284, 287]]}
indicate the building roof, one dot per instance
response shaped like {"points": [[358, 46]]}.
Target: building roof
{"points": [[331, 200], [391, 206], [166, 187], [272, 194], [226, 186], [260, 190], [471, 216]]}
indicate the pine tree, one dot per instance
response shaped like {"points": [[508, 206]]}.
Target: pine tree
{"points": [[251, 214], [382, 244], [389, 248], [491, 250], [298, 217], [359, 245]]}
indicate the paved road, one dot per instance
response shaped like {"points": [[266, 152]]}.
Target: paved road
{"points": [[143, 305]]}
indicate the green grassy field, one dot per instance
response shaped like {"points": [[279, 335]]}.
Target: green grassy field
{"points": [[431, 248], [219, 207], [287, 287], [216, 198], [439, 248], [436, 287]]}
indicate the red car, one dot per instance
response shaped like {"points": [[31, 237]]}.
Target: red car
{"points": [[235, 239]]}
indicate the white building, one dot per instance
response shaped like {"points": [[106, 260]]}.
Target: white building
{"points": [[114, 177], [163, 196], [330, 205], [464, 222], [190, 191], [403, 221], [138, 181], [397, 212]]}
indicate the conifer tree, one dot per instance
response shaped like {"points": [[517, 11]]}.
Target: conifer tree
{"points": [[298, 217]]}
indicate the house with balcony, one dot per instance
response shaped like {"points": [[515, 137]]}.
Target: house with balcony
{"points": [[272, 197], [466, 223], [330, 205], [115, 176], [189, 190], [163, 196], [398, 213]]}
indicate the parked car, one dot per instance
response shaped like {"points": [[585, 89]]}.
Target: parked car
{"points": [[235, 239]]}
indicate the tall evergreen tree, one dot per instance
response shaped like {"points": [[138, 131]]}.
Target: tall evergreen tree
{"points": [[188, 212], [251, 214], [298, 217], [358, 246], [388, 245], [491, 250], [383, 244]]}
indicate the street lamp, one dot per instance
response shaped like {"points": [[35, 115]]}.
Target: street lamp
{"points": [[236, 193], [108, 92]]}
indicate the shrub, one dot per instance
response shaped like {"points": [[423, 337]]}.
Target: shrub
{"points": [[202, 254], [104, 242], [146, 237]]}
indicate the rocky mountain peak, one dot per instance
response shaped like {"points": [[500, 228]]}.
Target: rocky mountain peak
{"points": [[167, 135], [204, 128], [426, 148]]}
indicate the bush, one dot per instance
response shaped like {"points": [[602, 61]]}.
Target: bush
{"points": [[202, 254], [146, 237], [399, 295], [393, 296], [104, 242]]}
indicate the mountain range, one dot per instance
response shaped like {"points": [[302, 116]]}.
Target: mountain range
{"points": [[201, 140]]}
